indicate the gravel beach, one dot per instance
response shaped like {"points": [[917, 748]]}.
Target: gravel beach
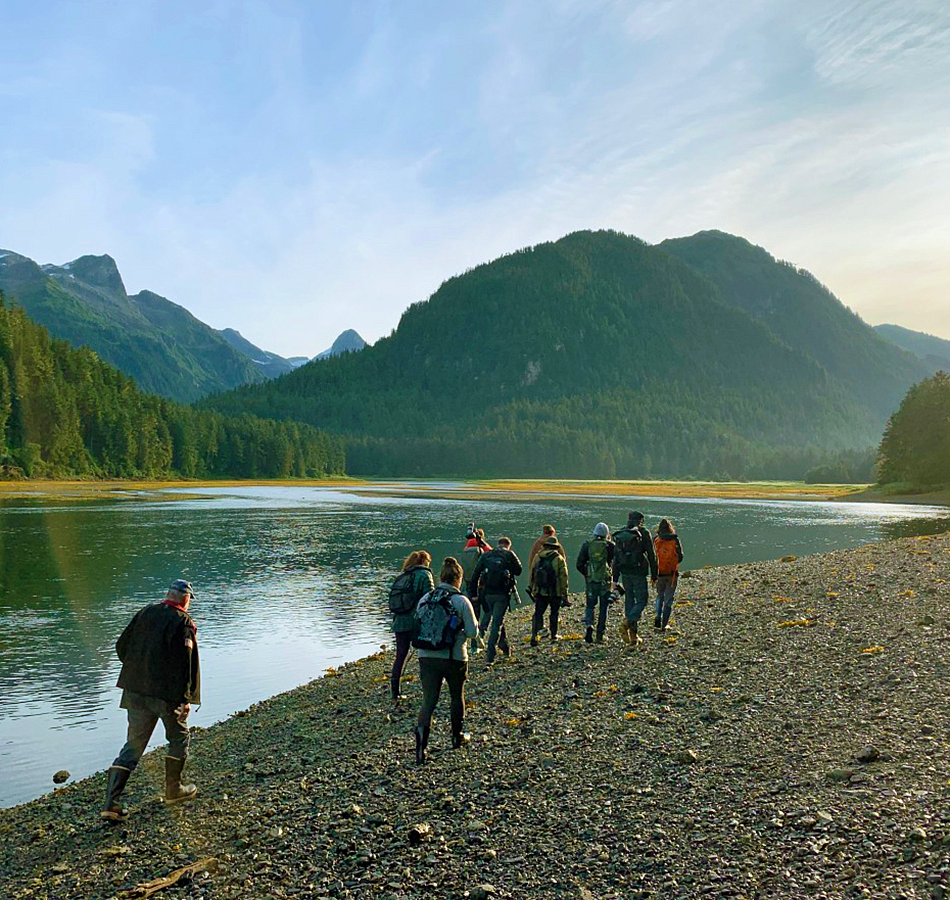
{"points": [[789, 737]]}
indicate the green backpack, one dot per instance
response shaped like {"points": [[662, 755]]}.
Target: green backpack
{"points": [[468, 558], [597, 568]]}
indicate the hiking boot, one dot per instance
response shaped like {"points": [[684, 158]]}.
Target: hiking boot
{"points": [[175, 791], [601, 639], [534, 640], [624, 630], [657, 624], [113, 810], [589, 634], [422, 741]]}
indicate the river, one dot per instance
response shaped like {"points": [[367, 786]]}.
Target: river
{"points": [[290, 581]]}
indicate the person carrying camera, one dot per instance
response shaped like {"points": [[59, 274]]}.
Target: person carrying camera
{"points": [[496, 570]]}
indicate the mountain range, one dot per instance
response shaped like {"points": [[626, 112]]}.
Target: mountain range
{"points": [[146, 336], [934, 351], [599, 355]]}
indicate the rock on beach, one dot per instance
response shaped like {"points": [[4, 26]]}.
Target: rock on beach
{"points": [[788, 737]]}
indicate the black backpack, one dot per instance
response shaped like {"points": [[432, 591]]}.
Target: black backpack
{"points": [[497, 576], [545, 576], [404, 595], [629, 548]]}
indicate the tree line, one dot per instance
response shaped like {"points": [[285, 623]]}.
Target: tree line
{"points": [[915, 448], [66, 413]]}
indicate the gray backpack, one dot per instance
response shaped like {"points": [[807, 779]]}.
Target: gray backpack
{"points": [[439, 623]]}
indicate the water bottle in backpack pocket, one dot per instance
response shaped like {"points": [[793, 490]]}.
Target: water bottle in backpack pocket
{"points": [[439, 622]]}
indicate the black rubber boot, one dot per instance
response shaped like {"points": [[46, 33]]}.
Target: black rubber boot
{"points": [[113, 810], [422, 741], [460, 738], [175, 791], [589, 634]]}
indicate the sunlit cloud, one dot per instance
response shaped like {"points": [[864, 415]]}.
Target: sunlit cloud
{"points": [[292, 170]]}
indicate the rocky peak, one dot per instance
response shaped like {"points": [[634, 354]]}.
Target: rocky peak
{"points": [[97, 271]]}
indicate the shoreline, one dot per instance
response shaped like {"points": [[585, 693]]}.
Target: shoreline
{"points": [[495, 489], [790, 729]]}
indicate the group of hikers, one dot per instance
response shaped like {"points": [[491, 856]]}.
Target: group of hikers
{"points": [[160, 676], [444, 622]]}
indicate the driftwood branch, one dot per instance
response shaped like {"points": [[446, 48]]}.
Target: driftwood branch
{"points": [[147, 888]]}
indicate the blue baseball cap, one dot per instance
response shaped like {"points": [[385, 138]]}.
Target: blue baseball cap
{"points": [[182, 587]]}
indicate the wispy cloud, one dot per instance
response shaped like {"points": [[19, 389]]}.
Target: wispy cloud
{"points": [[292, 170]]}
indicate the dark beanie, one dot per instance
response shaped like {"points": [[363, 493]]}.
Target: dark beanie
{"points": [[635, 518]]}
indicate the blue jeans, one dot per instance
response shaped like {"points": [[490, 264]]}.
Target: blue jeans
{"points": [[636, 596], [597, 592], [144, 713], [494, 608], [665, 588]]}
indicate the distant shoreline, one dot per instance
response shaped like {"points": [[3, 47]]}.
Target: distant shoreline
{"points": [[512, 489]]}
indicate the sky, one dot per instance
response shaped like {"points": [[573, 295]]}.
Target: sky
{"points": [[293, 169]]}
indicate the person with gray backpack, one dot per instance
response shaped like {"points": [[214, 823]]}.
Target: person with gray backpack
{"points": [[413, 581], [445, 621]]}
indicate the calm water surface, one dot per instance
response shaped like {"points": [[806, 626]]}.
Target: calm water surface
{"points": [[290, 580]]}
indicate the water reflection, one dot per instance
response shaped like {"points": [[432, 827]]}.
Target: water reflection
{"points": [[290, 581]]}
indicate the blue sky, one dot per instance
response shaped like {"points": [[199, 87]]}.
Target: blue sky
{"points": [[291, 169]]}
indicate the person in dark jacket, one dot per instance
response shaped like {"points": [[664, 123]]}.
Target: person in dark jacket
{"points": [[634, 559], [417, 565], [595, 563], [160, 679], [496, 570], [669, 555]]}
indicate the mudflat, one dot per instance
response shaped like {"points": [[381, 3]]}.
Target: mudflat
{"points": [[788, 737]]}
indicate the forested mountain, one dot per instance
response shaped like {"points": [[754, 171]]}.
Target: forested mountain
{"points": [[594, 356], [934, 351], [65, 412], [158, 343], [915, 448], [803, 313]]}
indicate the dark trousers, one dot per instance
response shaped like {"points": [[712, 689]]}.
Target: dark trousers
{"points": [[432, 672], [636, 596], [540, 606], [494, 609], [598, 592], [144, 713], [403, 646]]}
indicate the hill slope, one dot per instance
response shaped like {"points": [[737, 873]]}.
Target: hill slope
{"points": [[934, 351], [594, 356], [158, 343], [801, 312]]}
